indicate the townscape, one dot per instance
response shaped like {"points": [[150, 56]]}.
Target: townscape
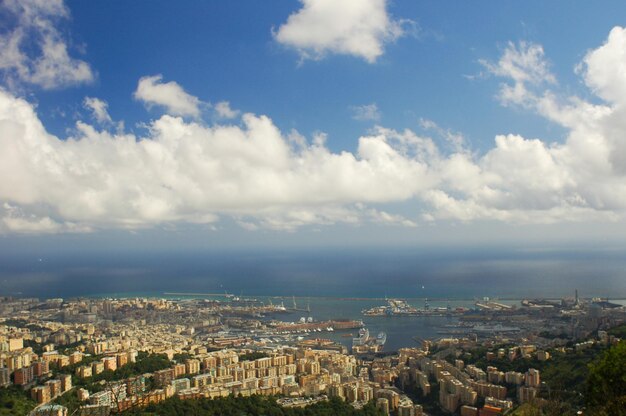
{"points": [[93, 357]]}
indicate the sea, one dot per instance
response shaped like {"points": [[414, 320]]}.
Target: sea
{"points": [[334, 283]]}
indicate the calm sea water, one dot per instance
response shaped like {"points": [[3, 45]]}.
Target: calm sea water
{"points": [[367, 273]]}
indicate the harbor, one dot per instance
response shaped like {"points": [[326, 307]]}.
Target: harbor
{"points": [[399, 307]]}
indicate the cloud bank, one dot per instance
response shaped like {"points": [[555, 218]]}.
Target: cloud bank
{"points": [[184, 170]]}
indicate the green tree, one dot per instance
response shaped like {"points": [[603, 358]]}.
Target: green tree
{"points": [[14, 401], [606, 383], [250, 406], [618, 331], [251, 356]]}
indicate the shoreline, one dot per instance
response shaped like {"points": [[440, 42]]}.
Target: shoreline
{"points": [[199, 295]]}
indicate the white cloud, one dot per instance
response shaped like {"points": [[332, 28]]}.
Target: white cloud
{"points": [[152, 91], [98, 109], [99, 112], [367, 112], [525, 65], [605, 68], [186, 171], [13, 219], [33, 51], [353, 27], [390, 219], [455, 139], [224, 110], [528, 180]]}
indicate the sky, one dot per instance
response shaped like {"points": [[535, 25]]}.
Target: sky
{"points": [[185, 124]]}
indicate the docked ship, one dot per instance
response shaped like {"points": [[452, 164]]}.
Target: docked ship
{"points": [[362, 339], [365, 344]]}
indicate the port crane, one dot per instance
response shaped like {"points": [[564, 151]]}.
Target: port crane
{"points": [[295, 306]]}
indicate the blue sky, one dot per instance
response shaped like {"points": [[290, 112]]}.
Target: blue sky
{"points": [[225, 51], [240, 121]]}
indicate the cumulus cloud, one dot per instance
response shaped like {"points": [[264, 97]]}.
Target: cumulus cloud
{"points": [[367, 112], [224, 110], [529, 180], [351, 27], [605, 68], [169, 95], [33, 51], [186, 171]]}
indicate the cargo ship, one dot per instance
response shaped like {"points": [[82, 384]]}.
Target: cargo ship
{"points": [[362, 339]]}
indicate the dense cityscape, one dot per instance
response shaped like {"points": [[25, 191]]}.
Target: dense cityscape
{"points": [[102, 356]]}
